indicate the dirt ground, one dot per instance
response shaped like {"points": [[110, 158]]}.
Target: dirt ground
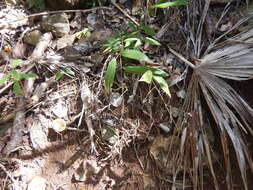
{"points": [[65, 132]]}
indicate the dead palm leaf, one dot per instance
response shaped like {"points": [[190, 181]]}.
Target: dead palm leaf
{"points": [[232, 60]]}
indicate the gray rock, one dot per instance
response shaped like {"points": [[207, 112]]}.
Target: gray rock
{"points": [[58, 24]]}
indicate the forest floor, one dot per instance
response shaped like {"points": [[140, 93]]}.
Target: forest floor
{"points": [[62, 129]]}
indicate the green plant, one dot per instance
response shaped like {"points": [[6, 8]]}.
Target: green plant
{"points": [[14, 76], [38, 4], [163, 4], [67, 72], [130, 46]]}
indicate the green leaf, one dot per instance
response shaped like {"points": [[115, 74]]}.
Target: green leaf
{"points": [[15, 75], [142, 69], [147, 77], [83, 34], [170, 4], [113, 44], [130, 41], [136, 69], [135, 54], [163, 84], [29, 75], [147, 30], [69, 71], [15, 62], [110, 74], [159, 72], [4, 79], [59, 75], [17, 88], [151, 41], [133, 34], [111, 39]]}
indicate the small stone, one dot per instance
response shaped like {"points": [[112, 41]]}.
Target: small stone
{"points": [[58, 24], [32, 37], [166, 127], [111, 135], [174, 112], [38, 183], [38, 135], [116, 99], [181, 94], [60, 109], [59, 125], [95, 21], [65, 41]]}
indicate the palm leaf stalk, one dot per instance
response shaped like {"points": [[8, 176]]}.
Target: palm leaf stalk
{"points": [[229, 60]]}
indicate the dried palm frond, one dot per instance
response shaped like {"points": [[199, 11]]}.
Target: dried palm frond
{"points": [[229, 60]]}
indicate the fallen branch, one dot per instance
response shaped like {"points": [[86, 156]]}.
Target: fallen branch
{"points": [[60, 11]]}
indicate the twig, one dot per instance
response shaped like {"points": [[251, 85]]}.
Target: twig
{"points": [[125, 13], [60, 11], [16, 130], [136, 154], [181, 57], [241, 41], [8, 174], [224, 12]]}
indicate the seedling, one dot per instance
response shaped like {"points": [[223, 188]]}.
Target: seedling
{"points": [[163, 4], [129, 46], [14, 76], [67, 72]]}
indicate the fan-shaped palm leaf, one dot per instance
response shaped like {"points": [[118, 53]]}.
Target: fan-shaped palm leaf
{"points": [[233, 60]]}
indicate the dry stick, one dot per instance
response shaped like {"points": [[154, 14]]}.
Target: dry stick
{"points": [[60, 11], [8, 174], [125, 13], [178, 55], [16, 130], [181, 57]]}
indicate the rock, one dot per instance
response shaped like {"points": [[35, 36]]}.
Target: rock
{"points": [[65, 41], [181, 94], [95, 21], [58, 24], [38, 183], [59, 125], [166, 127], [110, 135], [38, 135], [116, 99], [32, 37], [60, 109]]}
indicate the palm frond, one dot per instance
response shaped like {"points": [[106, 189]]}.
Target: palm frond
{"points": [[230, 60], [233, 60]]}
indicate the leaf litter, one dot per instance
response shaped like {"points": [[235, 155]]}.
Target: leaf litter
{"points": [[107, 142]]}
